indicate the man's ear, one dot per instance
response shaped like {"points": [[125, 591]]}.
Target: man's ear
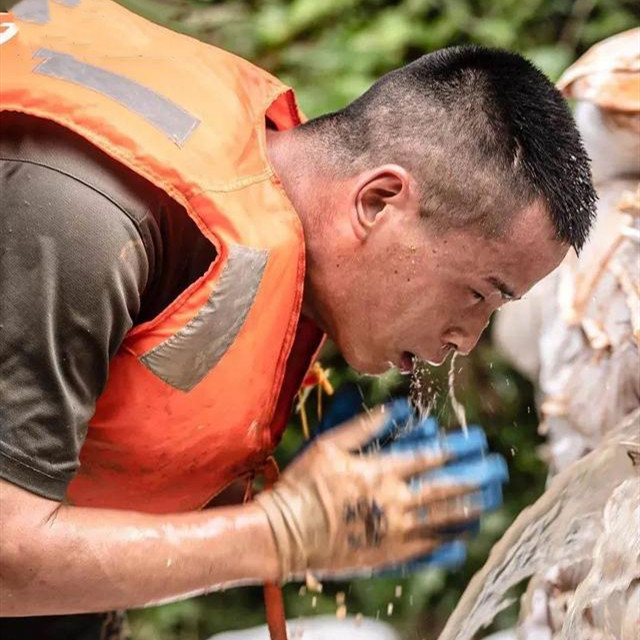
{"points": [[375, 192]]}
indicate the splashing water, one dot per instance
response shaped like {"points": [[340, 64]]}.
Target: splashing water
{"points": [[563, 528], [420, 390], [456, 405], [424, 394]]}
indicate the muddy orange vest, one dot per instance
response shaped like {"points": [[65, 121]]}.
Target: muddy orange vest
{"points": [[200, 395]]}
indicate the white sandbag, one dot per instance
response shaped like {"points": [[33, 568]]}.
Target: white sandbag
{"points": [[320, 628]]}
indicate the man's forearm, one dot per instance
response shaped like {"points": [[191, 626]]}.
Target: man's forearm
{"points": [[74, 559]]}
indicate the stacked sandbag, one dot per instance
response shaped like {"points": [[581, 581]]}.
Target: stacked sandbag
{"points": [[582, 346]]}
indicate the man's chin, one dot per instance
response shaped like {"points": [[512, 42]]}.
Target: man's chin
{"points": [[373, 370], [368, 367]]}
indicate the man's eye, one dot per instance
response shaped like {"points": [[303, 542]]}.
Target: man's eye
{"points": [[477, 295]]}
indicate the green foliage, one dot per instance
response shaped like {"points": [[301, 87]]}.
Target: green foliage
{"points": [[330, 51]]}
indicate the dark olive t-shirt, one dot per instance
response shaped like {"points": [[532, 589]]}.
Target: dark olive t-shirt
{"points": [[88, 249]]}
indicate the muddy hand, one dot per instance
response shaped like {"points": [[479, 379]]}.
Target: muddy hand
{"points": [[337, 507], [472, 465]]}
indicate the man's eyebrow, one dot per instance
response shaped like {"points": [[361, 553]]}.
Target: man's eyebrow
{"points": [[506, 291]]}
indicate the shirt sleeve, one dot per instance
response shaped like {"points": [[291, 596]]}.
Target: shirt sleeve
{"points": [[72, 269]]}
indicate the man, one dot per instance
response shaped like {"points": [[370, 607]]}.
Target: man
{"points": [[176, 243]]}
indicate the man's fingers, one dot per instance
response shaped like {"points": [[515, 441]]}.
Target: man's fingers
{"points": [[360, 431], [356, 433], [450, 555], [430, 493], [407, 465], [417, 547], [415, 555], [445, 513], [458, 444], [491, 469]]}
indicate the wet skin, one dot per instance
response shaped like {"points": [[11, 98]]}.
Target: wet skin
{"points": [[382, 282], [408, 290]]}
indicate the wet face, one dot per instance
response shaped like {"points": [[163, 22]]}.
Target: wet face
{"points": [[390, 287]]}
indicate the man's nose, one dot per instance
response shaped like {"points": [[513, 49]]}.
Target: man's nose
{"points": [[464, 340]]}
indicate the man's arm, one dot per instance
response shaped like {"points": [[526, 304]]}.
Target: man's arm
{"points": [[73, 267], [75, 258], [339, 506], [74, 261], [57, 559]]}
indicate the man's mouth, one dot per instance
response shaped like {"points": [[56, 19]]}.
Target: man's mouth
{"points": [[406, 362]]}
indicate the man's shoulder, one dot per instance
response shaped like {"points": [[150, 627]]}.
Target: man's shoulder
{"points": [[31, 140]]}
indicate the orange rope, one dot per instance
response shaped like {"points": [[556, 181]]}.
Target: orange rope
{"points": [[274, 606], [273, 600], [272, 592]]}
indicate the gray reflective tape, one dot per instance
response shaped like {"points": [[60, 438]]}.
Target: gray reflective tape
{"points": [[185, 358], [32, 11], [176, 123], [69, 3]]}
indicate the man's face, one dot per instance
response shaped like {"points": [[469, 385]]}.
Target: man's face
{"points": [[404, 290]]}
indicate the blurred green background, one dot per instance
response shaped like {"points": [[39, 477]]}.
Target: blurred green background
{"points": [[330, 51]]}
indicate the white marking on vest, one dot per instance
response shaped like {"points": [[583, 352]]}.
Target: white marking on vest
{"points": [[9, 29]]}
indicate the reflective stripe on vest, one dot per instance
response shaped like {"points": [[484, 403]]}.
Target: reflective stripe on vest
{"points": [[185, 358], [174, 121], [32, 11], [37, 11]]}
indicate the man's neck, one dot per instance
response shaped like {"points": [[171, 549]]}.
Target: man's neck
{"points": [[293, 164], [289, 162]]}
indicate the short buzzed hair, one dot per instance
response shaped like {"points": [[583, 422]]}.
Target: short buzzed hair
{"points": [[483, 132]]}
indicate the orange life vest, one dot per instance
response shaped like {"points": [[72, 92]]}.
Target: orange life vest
{"points": [[198, 396]]}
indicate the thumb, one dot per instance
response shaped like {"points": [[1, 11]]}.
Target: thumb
{"points": [[373, 425]]}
